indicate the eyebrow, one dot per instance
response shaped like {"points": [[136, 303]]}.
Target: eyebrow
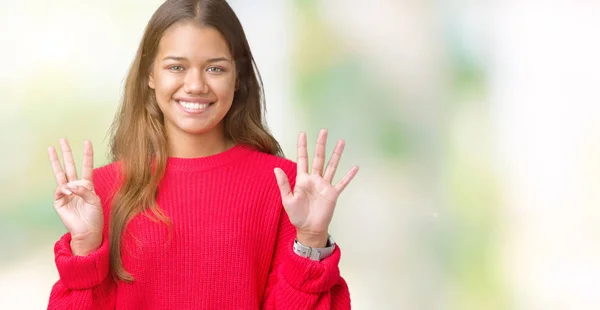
{"points": [[210, 60]]}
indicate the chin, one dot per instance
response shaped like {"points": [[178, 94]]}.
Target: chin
{"points": [[197, 130]]}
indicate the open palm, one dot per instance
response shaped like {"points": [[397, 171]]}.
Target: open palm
{"points": [[75, 202], [311, 205]]}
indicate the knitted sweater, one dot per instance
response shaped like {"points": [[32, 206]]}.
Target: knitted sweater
{"points": [[230, 245]]}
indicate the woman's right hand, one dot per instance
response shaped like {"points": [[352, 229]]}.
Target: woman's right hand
{"points": [[75, 201]]}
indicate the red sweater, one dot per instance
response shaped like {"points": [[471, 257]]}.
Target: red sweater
{"points": [[230, 246]]}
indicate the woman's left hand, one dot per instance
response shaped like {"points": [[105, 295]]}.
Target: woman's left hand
{"points": [[310, 206]]}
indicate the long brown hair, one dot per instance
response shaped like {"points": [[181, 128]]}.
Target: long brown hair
{"points": [[138, 139]]}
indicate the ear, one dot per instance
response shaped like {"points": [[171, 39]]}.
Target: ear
{"points": [[151, 80]]}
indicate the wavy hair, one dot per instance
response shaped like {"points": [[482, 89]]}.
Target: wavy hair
{"points": [[137, 136]]}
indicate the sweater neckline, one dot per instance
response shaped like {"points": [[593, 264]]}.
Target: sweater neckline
{"points": [[208, 162]]}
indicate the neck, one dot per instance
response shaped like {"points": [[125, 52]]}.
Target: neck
{"points": [[185, 145]]}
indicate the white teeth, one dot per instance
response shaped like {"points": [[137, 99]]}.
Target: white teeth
{"points": [[194, 106]]}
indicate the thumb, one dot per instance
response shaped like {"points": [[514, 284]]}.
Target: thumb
{"points": [[283, 183], [86, 194]]}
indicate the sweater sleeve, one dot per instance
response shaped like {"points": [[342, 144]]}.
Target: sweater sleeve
{"points": [[296, 282], [85, 281]]}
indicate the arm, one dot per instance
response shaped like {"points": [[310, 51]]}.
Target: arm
{"points": [[299, 283], [85, 281], [82, 255], [309, 200]]}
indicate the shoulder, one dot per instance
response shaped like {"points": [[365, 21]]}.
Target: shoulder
{"points": [[108, 172], [106, 180], [267, 162]]}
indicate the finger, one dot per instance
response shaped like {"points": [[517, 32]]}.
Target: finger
{"points": [[60, 192], [319, 159], [302, 164], [68, 159], [334, 161], [87, 168], [284, 184], [59, 174], [86, 194], [85, 183], [346, 179]]}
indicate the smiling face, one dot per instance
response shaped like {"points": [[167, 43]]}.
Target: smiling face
{"points": [[194, 79]]}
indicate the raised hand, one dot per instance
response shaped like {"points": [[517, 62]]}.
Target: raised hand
{"points": [[77, 205], [311, 205]]}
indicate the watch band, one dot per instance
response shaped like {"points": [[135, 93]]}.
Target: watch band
{"points": [[315, 254]]}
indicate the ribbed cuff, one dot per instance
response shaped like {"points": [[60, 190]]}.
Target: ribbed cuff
{"points": [[81, 272], [310, 276]]}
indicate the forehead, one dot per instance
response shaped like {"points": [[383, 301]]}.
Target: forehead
{"points": [[188, 39]]}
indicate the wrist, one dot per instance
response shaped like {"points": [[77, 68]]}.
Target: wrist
{"points": [[84, 246], [312, 240], [313, 253]]}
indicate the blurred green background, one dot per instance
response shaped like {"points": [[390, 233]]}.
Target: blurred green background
{"points": [[476, 125]]}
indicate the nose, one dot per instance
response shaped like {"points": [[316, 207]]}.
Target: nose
{"points": [[195, 83]]}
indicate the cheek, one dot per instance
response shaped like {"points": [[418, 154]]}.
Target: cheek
{"points": [[166, 84], [224, 88]]}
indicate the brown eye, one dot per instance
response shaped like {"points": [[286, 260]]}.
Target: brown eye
{"points": [[215, 69], [176, 68]]}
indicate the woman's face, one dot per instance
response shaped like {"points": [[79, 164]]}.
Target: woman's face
{"points": [[194, 78]]}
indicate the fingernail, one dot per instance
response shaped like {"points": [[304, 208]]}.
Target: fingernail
{"points": [[71, 186]]}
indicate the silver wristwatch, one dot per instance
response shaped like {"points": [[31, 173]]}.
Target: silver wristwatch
{"points": [[315, 254]]}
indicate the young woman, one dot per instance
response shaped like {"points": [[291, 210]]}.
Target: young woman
{"points": [[189, 213]]}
